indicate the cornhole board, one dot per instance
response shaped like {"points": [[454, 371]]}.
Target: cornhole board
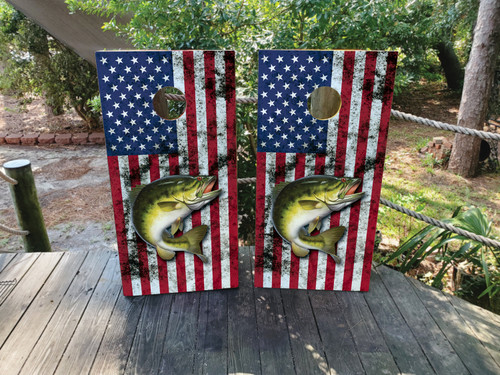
{"points": [[143, 147], [293, 144]]}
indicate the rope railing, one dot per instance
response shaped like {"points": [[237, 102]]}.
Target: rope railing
{"points": [[10, 180]]}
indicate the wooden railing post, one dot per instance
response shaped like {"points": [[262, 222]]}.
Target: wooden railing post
{"points": [[29, 213]]}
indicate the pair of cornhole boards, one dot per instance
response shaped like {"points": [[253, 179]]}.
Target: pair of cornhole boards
{"points": [[322, 129]]}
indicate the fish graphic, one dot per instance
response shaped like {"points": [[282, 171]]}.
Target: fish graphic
{"points": [[164, 204], [305, 202]]}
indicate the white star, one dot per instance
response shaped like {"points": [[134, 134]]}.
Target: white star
{"points": [[139, 113], [292, 112], [164, 60], [262, 144], [129, 87], [137, 96], [292, 128], [118, 122], [320, 129], [295, 59], [312, 137], [323, 77], [147, 122], [158, 69], [145, 104], [263, 111], [270, 136], [149, 138], [298, 137], [107, 97], [300, 104], [277, 128], [310, 59], [127, 69], [155, 130], [123, 96], [105, 79], [114, 87], [285, 120], [151, 78], [156, 146], [302, 68], [316, 68], [301, 86], [287, 68], [113, 147], [144, 87], [290, 145], [104, 60], [272, 68], [264, 76], [169, 129], [121, 79], [270, 120], [163, 138], [127, 147], [132, 122], [143, 69], [116, 105], [140, 130], [170, 145], [278, 94], [278, 112], [142, 147], [306, 128], [263, 94], [293, 95], [136, 78], [284, 136], [124, 113], [299, 121], [285, 104], [286, 85], [271, 103], [150, 60], [134, 60], [271, 86], [280, 59], [165, 77], [325, 59], [304, 144], [126, 130], [276, 144], [112, 69], [294, 77], [309, 77], [265, 58], [119, 139], [134, 138], [279, 77], [263, 128], [119, 60], [111, 131]]}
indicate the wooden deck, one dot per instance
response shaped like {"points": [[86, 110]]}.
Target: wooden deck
{"points": [[66, 315]]}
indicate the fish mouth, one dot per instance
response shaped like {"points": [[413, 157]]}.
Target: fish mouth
{"points": [[205, 192], [351, 189]]}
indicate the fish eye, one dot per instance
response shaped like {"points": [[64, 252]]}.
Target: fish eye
{"points": [[343, 180], [199, 178]]}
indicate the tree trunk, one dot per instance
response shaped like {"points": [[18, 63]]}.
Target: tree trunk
{"points": [[479, 72], [451, 66]]}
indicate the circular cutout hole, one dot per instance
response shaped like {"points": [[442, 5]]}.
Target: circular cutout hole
{"points": [[323, 103], [167, 108]]}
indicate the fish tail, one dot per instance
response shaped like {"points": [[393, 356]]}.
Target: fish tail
{"points": [[330, 237], [194, 238]]}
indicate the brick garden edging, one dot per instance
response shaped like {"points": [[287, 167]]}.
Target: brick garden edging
{"points": [[47, 139]]}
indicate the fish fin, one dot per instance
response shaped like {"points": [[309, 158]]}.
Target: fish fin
{"points": [[330, 237], [310, 204], [134, 192], [194, 237], [168, 205], [314, 224], [299, 251], [181, 226], [176, 225], [164, 253], [278, 188]]}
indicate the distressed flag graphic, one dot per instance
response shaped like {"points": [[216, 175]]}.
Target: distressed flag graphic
{"points": [[143, 147], [293, 144]]}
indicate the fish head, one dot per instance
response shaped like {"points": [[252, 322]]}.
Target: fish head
{"points": [[198, 191], [342, 192]]}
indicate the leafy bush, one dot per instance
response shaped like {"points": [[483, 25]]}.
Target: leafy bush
{"points": [[453, 250], [36, 63]]}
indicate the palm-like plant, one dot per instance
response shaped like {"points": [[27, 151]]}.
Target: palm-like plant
{"points": [[451, 249]]}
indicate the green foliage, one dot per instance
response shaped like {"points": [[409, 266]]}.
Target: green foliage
{"points": [[35, 63], [450, 249]]}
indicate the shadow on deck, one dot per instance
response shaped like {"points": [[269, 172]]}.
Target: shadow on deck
{"points": [[66, 314]]}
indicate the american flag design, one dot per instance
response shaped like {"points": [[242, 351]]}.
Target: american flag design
{"points": [[143, 147], [292, 144]]}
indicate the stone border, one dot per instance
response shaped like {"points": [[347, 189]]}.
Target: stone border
{"points": [[51, 138]]}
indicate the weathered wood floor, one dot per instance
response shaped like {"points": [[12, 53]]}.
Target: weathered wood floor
{"points": [[67, 315]]}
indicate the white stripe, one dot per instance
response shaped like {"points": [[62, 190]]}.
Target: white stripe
{"points": [[154, 280], [178, 68], [201, 121], [220, 87], [268, 231], [304, 262], [171, 267], [371, 153], [133, 255], [286, 249], [350, 161]]}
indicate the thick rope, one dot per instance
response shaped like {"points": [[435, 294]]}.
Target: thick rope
{"points": [[429, 220], [10, 180], [445, 126], [395, 114], [14, 231]]}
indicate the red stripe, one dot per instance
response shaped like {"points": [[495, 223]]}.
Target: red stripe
{"points": [[213, 168], [359, 166], [260, 224], [121, 229], [312, 271], [379, 168], [154, 174], [142, 251], [343, 129], [231, 165], [192, 140], [277, 240], [300, 167]]}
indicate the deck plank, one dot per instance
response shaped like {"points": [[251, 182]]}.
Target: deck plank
{"points": [[274, 342], [336, 336], [483, 323], [115, 347], [370, 343], [83, 346], [144, 355], [307, 348], [398, 336], [5, 259], [29, 283], [50, 347], [470, 350], [212, 342], [433, 342], [179, 348], [36, 317], [243, 343]]}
